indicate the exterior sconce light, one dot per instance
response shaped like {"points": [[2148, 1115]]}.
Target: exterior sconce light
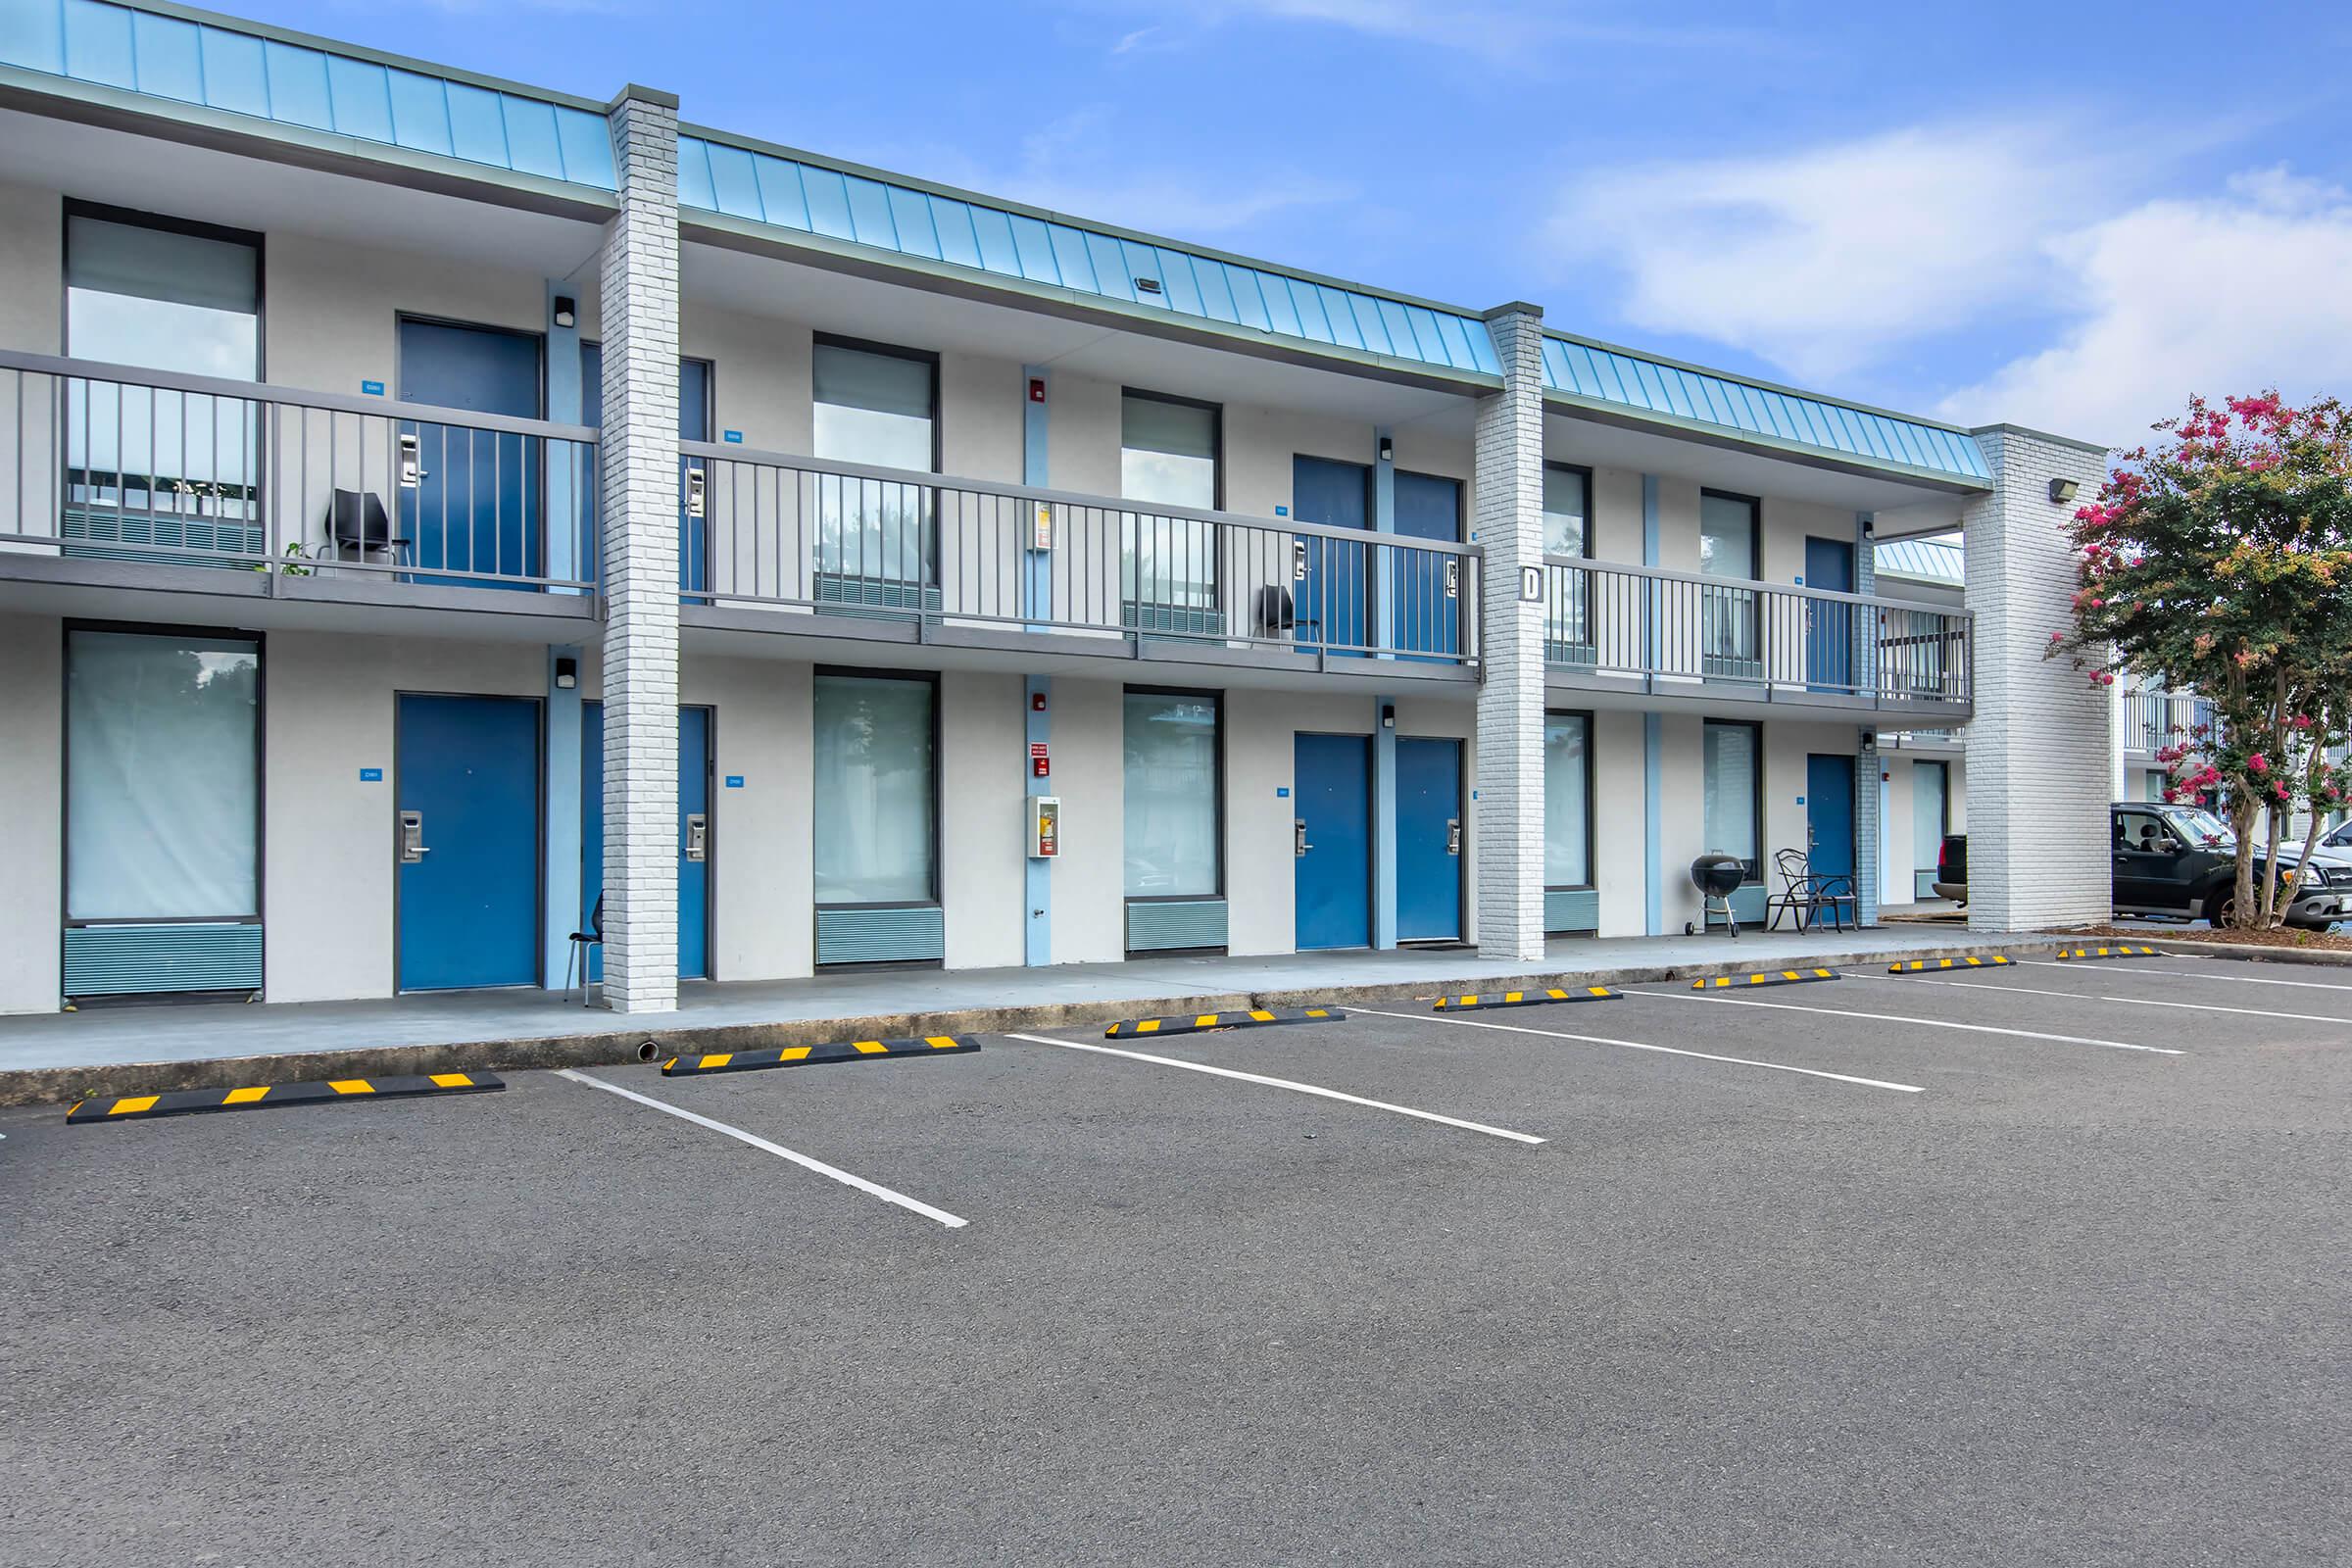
{"points": [[567, 313], [2064, 490], [568, 675], [1387, 716], [1387, 450]]}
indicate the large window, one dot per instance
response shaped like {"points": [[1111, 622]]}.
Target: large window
{"points": [[1734, 806], [173, 470], [877, 407], [1169, 456], [1172, 795], [1567, 509], [1727, 548], [876, 790], [162, 776], [1567, 801], [1930, 812]]}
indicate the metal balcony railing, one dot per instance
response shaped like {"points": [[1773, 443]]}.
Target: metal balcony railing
{"points": [[801, 534], [1665, 628], [112, 463], [2154, 720]]}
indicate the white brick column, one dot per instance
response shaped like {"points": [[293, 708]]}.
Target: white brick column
{"points": [[638, 466], [1509, 525], [2038, 757]]}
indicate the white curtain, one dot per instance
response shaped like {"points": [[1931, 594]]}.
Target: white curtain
{"points": [[1171, 789], [874, 790], [1928, 783], [1731, 791], [1567, 835], [161, 775]]}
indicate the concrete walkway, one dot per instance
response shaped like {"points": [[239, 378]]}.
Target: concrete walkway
{"points": [[140, 1049]]}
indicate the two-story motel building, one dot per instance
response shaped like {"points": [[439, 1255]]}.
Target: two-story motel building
{"points": [[432, 508]]}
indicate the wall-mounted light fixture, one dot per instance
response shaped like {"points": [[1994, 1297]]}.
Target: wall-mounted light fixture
{"points": [[1387, 450], [568, 675], [1870, 527], [1387, 716], [567, 310], [2064, 490]]}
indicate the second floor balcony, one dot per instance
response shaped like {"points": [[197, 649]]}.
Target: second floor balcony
{"points": [[1639, 629]]}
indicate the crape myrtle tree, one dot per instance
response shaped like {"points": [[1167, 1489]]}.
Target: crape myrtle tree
{"points": [[2218, 559]]}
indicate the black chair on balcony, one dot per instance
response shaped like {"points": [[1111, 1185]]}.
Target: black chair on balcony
{"points": [[1277, 613], [357, 528], [1807, 894]]}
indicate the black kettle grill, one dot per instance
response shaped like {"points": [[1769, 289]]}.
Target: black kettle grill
{"points": [[1717, 877]]}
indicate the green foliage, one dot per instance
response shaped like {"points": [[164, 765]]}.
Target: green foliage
{"points": [[2219, 561]]}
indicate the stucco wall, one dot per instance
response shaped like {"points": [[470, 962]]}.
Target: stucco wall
{"points": [[31, 809]]}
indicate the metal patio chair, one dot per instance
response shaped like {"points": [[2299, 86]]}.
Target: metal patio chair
{"points": [[1806, 895], [582, 942]]}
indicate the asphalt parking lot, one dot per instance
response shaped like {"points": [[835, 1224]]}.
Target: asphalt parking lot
{"points": [[2047, 1264]]}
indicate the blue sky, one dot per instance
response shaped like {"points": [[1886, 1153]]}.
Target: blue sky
{"points": [[2067, 214]]}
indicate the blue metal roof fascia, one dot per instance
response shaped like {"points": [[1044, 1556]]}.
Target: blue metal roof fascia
{"points": [[788, 189], [1578, 369], [1920, 561], [310, 85]]}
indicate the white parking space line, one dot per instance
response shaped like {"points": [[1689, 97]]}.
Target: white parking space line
{"points": [[1636, 1045], [2084, 996], [1890, 1017], [875, 1189], [1285, 1082], [2199, 974]]}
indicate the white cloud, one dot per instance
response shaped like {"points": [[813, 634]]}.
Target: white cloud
{"points": [[2219, 295], [1077, 164], [1822, 259], [1513, 31]]}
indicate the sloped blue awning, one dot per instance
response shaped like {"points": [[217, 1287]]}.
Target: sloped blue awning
{"points": [[246, 69], [1599, 374], [864, 208]]}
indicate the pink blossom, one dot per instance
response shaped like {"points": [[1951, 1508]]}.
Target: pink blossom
{"points": [[2302, 722], [2259, 763]]}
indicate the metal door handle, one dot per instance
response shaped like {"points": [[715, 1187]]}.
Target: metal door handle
{"points": [[412, 848], [698, 836], [1453, 835], [410, 470], [1299, 844]]}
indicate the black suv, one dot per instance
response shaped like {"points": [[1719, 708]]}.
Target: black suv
{"points": [[2179, 862]]}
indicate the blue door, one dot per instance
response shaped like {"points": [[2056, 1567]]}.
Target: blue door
{"points": [[1332, 778], [476, 503], [467, 841], [1334, 601], [1429, 840], [1828, 623], [1829, 813], [1424, 615], [693, 802]]}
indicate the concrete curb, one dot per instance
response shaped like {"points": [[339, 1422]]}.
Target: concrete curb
{"points": [[2254, 952], [41, 1086]]}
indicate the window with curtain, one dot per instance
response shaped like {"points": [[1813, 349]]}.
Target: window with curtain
{"points": [[169, 297], [1567, 503], [1931, 784], [1727, 548], [1168, 455], [1732, 763], [162, 776], [1171, 789], [1567, 801], [875, 409], [876, 790]]}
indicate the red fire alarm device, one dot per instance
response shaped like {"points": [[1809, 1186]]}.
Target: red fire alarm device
{"points": [[1037, 702], [1040, 765], [1037, 389]]}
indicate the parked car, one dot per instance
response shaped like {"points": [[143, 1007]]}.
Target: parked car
{"points": [[2179, 862]]}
